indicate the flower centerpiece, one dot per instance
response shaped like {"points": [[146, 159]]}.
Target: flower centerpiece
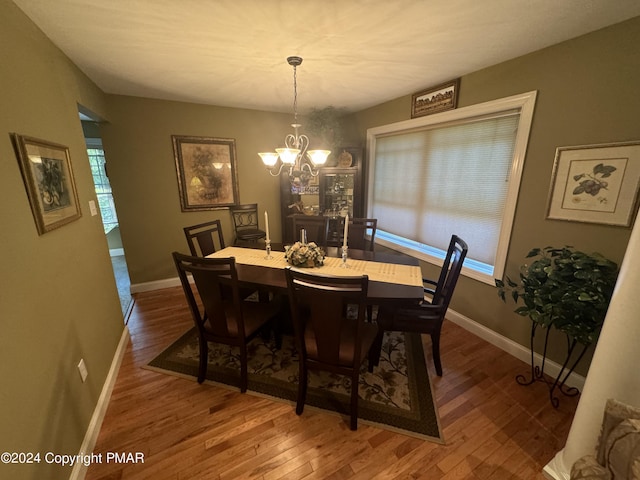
{"points": [[304, 255]]}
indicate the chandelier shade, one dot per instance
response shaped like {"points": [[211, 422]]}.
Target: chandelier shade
{"points": [[295, 156]]}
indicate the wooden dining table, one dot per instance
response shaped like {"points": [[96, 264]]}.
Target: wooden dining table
{"points": [[392, 278]]}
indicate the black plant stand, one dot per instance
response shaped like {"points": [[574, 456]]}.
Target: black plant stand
{"points": [[537, 372]]}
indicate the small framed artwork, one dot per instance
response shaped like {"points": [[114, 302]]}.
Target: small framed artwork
{"points": [[595, 184], [435, 99], [48, 178], [207, 172]]}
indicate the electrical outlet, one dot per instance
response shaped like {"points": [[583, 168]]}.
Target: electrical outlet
{"points": [[92, 208], [82, 368]]}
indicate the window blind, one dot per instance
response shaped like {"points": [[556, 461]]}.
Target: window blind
{"points": [[445, 180]]}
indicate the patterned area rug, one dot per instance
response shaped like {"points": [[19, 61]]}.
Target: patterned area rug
{"points": [[396, 395]]}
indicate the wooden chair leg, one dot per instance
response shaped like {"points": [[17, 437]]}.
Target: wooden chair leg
{"points": [[354, 400], [302, 388], [370, 313], [435, 348], [243, 369], [376, 349], [203, 360]]}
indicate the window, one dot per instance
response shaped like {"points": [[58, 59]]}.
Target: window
{"points": [[456, 172], [101, 182]]}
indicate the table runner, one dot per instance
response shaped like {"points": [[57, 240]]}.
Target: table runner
{"points": [[376, 271]]}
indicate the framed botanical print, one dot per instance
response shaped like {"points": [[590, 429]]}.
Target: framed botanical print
{"points": [[595, 183], [48, 178], [207, 172]]}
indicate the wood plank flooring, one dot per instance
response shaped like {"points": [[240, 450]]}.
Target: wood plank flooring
{"points": [[493, 428]]}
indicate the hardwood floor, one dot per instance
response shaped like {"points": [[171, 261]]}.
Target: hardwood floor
{"points": [[493, 427]]}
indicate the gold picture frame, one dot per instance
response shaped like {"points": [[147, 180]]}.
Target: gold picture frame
{"points": [[595, 184], [207, 172], [48, 178], [435, 99]]}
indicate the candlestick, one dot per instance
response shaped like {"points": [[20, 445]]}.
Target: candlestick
{"points": [[266, 223], [345, 249], [346, 231], [268, 256]]}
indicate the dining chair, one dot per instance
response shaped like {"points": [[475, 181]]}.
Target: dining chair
{"points": [[204, 238], [221, 315], [361, 228], [426, 317], [316, 226], [245, 223], [325, 338]]}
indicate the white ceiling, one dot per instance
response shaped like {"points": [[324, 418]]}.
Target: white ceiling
{"points": [[357, 53]]}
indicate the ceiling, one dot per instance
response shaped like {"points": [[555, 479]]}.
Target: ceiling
{"points": [[357, 53]]}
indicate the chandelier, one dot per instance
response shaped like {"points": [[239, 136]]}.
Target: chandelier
{"points": [[302, 164]]}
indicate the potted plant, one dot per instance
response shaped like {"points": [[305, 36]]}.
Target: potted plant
{"points": [[566, 289]]}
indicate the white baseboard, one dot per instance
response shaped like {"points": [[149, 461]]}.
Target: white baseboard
{"points": [[155, 285], [513, 348], [555, 469], [79, 469]]}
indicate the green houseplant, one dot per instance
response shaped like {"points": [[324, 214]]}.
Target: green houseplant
{"points": [[566, 289]]}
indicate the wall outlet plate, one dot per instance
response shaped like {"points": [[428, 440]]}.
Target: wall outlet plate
{"points": [[92, 208]]}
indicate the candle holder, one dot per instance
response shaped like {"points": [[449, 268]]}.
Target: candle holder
{"points": [[345, 249], [268, 249]]}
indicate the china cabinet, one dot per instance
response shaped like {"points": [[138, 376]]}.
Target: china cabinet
{"points": [[335, 192]]}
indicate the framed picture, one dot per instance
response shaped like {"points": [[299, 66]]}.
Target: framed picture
{"points": [[207, 172], [48, 178], [595, 183], [435, 99]]}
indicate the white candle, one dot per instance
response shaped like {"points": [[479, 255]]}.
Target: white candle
{"points": [[346, 230], [266, 223]]}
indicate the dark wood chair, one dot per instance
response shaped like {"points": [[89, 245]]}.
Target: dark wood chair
{"points": [[316, 226], [325, 338], [245, 223], [426, 317], [361, 228], [224, 316], [204, 238]]}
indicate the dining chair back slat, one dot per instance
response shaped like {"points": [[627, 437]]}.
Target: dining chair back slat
{"points": [[204, 238]]}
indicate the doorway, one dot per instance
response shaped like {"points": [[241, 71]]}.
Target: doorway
{"points": [[108, 213]]}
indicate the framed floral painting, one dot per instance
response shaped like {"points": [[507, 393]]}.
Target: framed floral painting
{"points": [[48, 178], [207, 172]]}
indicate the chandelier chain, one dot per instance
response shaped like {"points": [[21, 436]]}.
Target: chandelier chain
{"points": [[295, 95]]}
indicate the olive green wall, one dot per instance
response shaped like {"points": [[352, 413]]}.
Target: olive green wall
{"points": [[587, 94], [142, 173], [58, 299]]}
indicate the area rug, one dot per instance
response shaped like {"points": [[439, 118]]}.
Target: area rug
{"points": [[395, 396]]}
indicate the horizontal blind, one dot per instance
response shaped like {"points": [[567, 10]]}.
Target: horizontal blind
{"points": [[433, 183]]}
